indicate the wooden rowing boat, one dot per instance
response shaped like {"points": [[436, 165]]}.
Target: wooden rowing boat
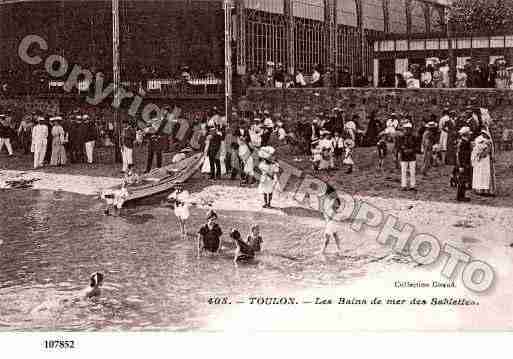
{"points": [[155, 182]]}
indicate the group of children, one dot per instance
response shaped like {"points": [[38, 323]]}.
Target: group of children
{"points": [[209, 235], [330, 153]]}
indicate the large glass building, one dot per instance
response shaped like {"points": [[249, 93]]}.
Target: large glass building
{"points": [[160, 36]]}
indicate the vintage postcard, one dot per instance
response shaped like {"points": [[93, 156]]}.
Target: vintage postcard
{"points": [[255, 166]]}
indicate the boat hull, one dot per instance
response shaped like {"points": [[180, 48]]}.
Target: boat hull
{"points": [[159, 180]]}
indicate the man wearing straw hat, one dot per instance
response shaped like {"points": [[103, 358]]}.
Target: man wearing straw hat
{"points": [[408, 152], [39, 142]]}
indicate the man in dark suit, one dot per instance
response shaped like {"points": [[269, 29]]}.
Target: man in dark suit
{"points": [[214, 146], [157, 143]]}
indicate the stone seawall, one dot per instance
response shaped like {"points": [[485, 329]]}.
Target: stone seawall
{"points": [[420, 103]]}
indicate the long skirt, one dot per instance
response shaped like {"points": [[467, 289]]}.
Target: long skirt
{"points": [[482, 177], [58, 155]]}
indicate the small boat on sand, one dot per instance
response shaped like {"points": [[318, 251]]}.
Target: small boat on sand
{"points": [[155, 182]]}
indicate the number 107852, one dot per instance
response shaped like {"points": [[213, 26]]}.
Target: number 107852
{"points": [[59, 344]]}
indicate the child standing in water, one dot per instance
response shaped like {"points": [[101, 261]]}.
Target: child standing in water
{"points": [[181, 201], [331, 231]]}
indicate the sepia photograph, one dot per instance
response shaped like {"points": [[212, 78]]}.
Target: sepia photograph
{"points": [[255, 166]]}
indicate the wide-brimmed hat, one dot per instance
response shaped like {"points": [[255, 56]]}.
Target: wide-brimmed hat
{"points": [[211, 215], [465, 131], [325, 133], [40, 118], [407, 125], [85, 117], [266, 152], [431, 125], [56, 118]]}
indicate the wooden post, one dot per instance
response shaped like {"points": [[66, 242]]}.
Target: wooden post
{"points": [[116, 75], [386, 16], [330, 7], [452, 58], [361, 37], [228, 5], [241, 37], [291, 53]]}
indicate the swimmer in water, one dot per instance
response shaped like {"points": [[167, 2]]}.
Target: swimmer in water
{"points": [[95, 282], [93, 290], [244, 252]]}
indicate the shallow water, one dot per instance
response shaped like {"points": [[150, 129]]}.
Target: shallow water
{"points": [[50, 242]]}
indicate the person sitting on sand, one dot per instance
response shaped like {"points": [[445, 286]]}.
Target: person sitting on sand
{"points": [[116, 199], [244, 251], [131, 177], [254, 239], [209, 236]]}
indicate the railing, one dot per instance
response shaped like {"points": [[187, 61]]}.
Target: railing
{"points": [[195, 87]]}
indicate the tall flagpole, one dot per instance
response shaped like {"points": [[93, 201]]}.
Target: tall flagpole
{"points": [[228, 5], [116, 75]]}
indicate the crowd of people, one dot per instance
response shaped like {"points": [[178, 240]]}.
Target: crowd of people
{"points": [[436, 74], [53, 140], [246, 148], [275, 75], [464, 141]]}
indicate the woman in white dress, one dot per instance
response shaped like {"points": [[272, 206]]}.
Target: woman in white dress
{"points": [[483, 177], [181, 201], [246, 156], [268, 174], [58, 157]]}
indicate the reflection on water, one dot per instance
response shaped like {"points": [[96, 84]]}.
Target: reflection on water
{"points": [[53, 241]]}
